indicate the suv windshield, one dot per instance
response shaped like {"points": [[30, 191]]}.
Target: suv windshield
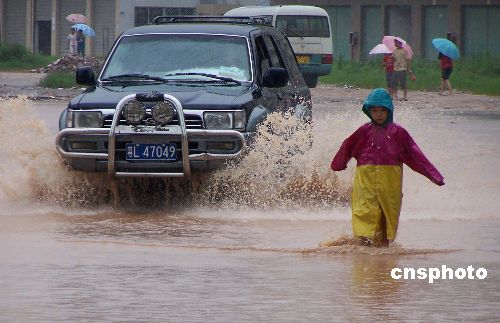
{"points": [[181, 57]]}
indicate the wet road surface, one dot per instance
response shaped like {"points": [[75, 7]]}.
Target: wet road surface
{"points": [[256, 255]]}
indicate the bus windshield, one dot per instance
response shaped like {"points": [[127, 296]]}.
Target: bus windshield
{"points": [[303, 26]]}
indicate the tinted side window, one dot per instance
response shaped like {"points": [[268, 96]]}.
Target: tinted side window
{"points": [[274, 53], [263, 59], [288, 55]]}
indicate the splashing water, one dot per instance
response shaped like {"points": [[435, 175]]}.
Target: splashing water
{"points": [[349, 244], [281, 170], [288, 166], [31, 170]]}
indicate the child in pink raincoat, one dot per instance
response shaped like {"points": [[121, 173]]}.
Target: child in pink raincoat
{"points": [[380, 148]]}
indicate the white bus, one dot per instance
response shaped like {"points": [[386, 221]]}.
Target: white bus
{"points": [[308, 30]]}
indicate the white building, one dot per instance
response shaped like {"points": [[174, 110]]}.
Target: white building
{"points": [[41, 26]]}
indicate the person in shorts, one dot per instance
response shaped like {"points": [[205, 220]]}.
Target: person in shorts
{"points": [[446, 64], [401, 67]]}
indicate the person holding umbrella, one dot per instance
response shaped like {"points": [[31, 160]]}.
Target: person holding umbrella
{"points": [[401, 66], [448, 51], [83, 31], [387, 63], [86, 29], [446, 64], [80, 40]]}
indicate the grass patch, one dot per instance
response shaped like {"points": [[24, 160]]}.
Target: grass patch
{"points": [[478, 75], [59, 80], [18, 58]]}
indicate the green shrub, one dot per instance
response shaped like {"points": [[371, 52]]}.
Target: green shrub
{"points": [[59, 80], [478, 75], [13, 52], [17, 57]]}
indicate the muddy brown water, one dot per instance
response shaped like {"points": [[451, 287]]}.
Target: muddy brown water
{"points": [[253, 243]]}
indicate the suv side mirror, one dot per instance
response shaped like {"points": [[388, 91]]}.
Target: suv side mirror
{"points": [[275, 77], [85, 75]]}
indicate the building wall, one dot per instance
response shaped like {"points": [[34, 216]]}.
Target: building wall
{"points": [[202, 7], [15, 22], [481, 30], [340, 17], [2, 21], [371, 29], [43, 9], [104, 26], [67, 7], [41, 26], [408, 19], [435, 25], [398, 21], [218, 8], [127, 9], [493, 30], [211, 10]]}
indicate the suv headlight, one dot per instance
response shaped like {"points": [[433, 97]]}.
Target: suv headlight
{"points": [[134, 112], [163, 112], [225, 120], [84, 119]]}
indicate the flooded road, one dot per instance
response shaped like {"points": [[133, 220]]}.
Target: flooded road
{"points": [[266, 240]]}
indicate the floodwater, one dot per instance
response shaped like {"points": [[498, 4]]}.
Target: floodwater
{"points": [[267, 240]]}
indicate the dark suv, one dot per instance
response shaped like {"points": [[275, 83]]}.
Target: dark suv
{"points": [[184, 94]]}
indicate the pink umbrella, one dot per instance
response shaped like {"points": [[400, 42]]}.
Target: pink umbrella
{"points": [[76, 18], [389, 42]]}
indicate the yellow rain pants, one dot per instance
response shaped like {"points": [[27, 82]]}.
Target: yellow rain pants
{"points": [[376, 192]]}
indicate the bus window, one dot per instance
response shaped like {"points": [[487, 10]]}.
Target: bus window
{"points": [[303, 26]]}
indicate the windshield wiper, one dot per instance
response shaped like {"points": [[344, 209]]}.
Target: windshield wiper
{"points": [[222, 78], [137, 76], [293, 33]]}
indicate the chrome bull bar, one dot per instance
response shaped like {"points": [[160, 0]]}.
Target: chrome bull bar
{"points": [[184, 134]]}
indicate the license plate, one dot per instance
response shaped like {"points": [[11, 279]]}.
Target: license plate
{"points": [[151, 152], [302, 59]]}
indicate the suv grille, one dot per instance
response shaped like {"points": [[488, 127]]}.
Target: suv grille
{"points": [[192, 121]]}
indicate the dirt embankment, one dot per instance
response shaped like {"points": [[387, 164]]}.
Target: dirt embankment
{"points": [[15, 84]]}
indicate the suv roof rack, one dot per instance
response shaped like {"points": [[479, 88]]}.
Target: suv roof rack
{"points": [[247, 20]]}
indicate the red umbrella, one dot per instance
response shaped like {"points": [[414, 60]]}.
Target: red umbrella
{"points": [[76, 18]]}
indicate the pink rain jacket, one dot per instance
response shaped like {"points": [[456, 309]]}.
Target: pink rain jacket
{"points": [[380, 152]]}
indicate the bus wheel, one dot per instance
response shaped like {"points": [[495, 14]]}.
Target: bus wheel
{"points": [[311, 80]]}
